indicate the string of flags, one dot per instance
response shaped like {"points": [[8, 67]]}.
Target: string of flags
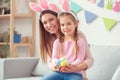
{"points": [[90, 17]]}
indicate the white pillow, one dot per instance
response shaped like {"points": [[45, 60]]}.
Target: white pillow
{"points": [[41, 69]]}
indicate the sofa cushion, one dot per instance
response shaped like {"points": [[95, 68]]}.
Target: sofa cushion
{"points": [[41, 69], [106, 60], [26, 78]]}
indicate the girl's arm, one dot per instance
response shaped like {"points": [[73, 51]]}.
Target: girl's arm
{"points": [[88, 60], [81, 54]]}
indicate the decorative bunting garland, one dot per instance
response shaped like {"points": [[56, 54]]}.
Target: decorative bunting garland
{"points": [[109, 23], [90, 17], [100, 3], [76, 8]]}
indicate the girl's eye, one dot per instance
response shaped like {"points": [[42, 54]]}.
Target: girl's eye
{"points": [[69, 23]]}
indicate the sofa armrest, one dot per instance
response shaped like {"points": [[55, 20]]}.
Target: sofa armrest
{"points": [[18, 67], [1, 69], [116, 75]]}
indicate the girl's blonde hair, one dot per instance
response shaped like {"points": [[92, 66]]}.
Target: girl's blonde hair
{"points": [[61, 37]]}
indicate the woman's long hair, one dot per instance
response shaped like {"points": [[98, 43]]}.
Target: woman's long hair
{"points": [[45, 37]]}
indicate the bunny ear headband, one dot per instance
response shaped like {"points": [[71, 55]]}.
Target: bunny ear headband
{"points": [[44, 5]]}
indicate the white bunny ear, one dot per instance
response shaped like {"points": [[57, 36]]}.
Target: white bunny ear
{"points": [[65, 5], [54, 7], [35, 7], [43, 4]]}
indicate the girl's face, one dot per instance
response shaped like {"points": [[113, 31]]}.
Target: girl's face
{"points": [[67, 25], [50, 23]]}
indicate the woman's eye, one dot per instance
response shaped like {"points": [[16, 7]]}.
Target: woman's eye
{"points": [[61, 24], [51, 19], [44, 23]]}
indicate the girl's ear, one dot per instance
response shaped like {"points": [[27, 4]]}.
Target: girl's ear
{"points": [[65, 5], [35, 7], [76, 23], [54, 7], [43, 4]]}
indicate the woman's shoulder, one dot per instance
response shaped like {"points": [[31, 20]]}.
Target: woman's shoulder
{"points": [[81, 34], [80, 39], [56, 41]]}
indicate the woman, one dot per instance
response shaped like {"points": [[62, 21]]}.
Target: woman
{"points": [[49, 31]]}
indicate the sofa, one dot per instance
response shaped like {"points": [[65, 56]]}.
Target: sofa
{"points": [[106, 66]]}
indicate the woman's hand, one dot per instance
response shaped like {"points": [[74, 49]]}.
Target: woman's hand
{"points": [[69, 68], [72, 68]]}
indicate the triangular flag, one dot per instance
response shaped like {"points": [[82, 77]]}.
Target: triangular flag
{"points": [[100, 3], [89, 16], [109, 23], [75, 7]]}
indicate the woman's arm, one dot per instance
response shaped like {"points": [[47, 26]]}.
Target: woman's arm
{"points": [[52, 60], [50, 64], [88, 61]]}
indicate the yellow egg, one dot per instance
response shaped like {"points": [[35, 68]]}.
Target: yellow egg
{"points": [[63, 63]]}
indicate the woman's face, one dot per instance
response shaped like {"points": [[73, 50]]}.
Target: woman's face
{"points": [[50, 23]]}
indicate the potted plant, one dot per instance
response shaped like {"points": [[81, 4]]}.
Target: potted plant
{"points": [[5, 50], [7, 8], [4, 6], [17, 37]]}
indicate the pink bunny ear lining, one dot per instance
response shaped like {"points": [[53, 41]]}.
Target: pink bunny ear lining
{"points": [[54, 7], [35, 7], [65, 5], [43, 4]]}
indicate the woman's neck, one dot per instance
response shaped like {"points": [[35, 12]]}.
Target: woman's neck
{"points": [[57, 34]]}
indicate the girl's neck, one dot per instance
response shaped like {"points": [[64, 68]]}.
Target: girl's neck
{"points": [[69, 38]]}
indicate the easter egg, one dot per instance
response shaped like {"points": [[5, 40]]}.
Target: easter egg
{"points": [[63, 63]]}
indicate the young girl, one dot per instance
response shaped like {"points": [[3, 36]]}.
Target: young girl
{"points": [[69, 45]]}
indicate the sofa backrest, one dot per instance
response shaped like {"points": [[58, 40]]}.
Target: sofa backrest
{"points": [[19, 67], [106, 60]]}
